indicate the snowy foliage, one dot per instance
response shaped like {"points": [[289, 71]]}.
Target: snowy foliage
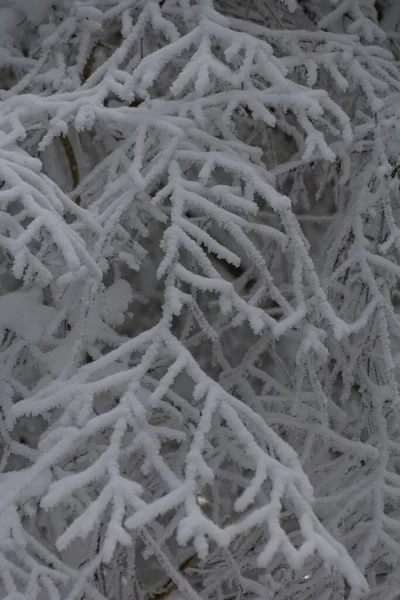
{"points": [[199, 270]]}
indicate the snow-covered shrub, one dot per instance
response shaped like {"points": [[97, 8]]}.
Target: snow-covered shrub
{"points": [[199, 300]]}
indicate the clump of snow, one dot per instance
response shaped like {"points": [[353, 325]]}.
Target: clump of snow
{"points": [[24, 313]]}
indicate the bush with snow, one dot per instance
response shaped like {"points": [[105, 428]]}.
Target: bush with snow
{"points": [[199, 240]]}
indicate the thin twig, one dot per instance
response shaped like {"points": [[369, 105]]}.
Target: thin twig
{"points": [[171, 585], [73, 165], [88, 68]]}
